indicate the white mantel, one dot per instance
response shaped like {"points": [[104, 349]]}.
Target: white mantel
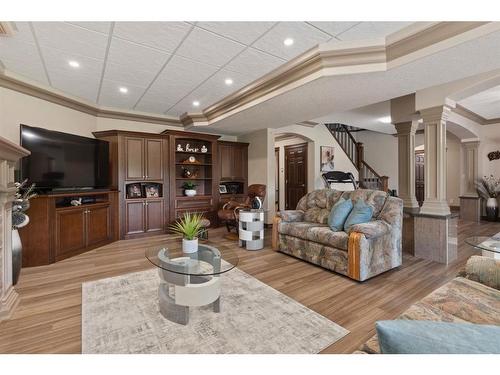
{"points": [[10, 153]]}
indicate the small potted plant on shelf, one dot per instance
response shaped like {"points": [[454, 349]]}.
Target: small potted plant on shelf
{"points": [[189, 188], [488, 188], [189, 227]]}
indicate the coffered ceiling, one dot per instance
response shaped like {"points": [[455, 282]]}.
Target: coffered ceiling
{"points": [[165, 67]]}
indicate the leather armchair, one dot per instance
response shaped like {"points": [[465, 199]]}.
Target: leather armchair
{"points": [[229, 212]]}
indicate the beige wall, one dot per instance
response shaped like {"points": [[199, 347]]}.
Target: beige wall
{"points": [[17, 108]]}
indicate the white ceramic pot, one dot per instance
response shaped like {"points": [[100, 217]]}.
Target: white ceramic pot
{"points": [[492, 209], [17, 256], [189, 246], [190, 192]]}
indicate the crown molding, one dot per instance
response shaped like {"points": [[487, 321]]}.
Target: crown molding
{"points": [[415, 41], [11, 82], [6, 28], [473, 116]]}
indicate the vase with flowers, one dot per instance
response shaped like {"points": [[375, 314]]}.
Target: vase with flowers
{"points": [[488, 188], [20, 205]]}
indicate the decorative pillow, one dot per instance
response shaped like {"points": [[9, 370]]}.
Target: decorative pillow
{"points": [[361, 213], [339, 213], [430, 337]]}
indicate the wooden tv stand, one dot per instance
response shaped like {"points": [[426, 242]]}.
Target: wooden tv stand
{"points": [[58, 230]]}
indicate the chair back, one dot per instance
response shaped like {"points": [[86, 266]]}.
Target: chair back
{"points": [[255, 190]]}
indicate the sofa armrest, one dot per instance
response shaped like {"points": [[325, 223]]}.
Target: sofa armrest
{"points": [[483, 270], [275, 235], [372, 229], [291, 215]]}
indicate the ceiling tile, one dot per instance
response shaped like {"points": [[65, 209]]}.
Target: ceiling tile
{"points": [[71, 39], [179, 77], [244, 32], [485, 103], [153, 105], [135, 56], [254, 63], [334, 28], [304, 36], [23, 34], [112, 97], [101, 27], [162, 35], [209, 48], [82, 81], [215, 88], [370, 30]]}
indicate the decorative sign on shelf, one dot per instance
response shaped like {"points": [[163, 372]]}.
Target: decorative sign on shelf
{"points": [[494, 155], [188, 148]]}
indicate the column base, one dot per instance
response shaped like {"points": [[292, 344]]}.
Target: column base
{"points": [[8, 303], [470, 208], [436, 238], [435, 207], [410, 204]]}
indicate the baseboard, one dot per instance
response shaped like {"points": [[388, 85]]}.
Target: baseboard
{"points": [[8, 303]]}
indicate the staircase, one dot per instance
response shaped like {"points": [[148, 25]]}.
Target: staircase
{"points": [[368, 178]]}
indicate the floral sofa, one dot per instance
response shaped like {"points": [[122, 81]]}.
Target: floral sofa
{"points": [[472, 297], [366, 251]]}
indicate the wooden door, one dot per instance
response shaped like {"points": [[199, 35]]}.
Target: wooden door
{"points": [[154, 159], [295, 174], [226, 162], [70, 231], [155, 219], [419, 177], [98, 225], [134, 217], [134, 159]]}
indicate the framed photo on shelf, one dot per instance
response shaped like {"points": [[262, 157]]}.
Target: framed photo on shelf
{"points": [[134, 191], [327, 156], [222, 189], [152, 190]]}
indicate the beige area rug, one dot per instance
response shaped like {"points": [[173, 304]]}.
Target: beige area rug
{"points": [[121, 315]]}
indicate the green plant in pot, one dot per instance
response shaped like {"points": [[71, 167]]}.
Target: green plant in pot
{"points": [[189, 227], [189, 188], [488, 188]]}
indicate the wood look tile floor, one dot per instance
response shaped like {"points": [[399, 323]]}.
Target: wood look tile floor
{"points": [[48, 317]]}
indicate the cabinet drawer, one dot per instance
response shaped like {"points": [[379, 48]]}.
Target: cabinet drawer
{"points": [[194, 203]]}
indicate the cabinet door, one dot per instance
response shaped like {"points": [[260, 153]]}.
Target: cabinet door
{"points": [[134, 217], [98, 225], [155, 219], [225, 161], [70, 231], [154, 159], [240, 163], [134, 158]]}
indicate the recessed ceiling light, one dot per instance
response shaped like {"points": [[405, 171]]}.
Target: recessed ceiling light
{"points": [[74, 64], [196, 103], [385, 119], [123, 90], [228, 81], [288, 42]]}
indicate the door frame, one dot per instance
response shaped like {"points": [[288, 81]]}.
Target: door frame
{"points": [[302, 145], [277, 173]]}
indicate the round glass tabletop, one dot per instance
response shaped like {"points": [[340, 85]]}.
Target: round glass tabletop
{"points": [[207, 261], [485, 243]]}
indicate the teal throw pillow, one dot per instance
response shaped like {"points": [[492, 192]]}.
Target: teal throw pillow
{"points": [[361, 213], [429, 337], [339, 213]]}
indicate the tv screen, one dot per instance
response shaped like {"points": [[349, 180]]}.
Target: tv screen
{"points": [[64, 161]]}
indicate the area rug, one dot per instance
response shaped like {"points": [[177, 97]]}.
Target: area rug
{"points": [[121, 315]]}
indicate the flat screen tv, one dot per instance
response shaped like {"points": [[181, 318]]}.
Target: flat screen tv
{"points": [[61, 161]]}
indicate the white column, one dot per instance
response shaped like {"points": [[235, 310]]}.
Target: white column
{"points": [[406, 163], [9, 154], [470, 165], [435, 161]]}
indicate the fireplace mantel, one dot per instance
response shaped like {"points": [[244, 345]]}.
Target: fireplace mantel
{"points": [[10, 153]]}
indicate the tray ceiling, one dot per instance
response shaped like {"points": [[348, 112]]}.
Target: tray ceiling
{"points": [[165, 66]]}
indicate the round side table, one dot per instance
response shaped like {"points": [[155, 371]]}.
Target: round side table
{"points": [[251, 229]]}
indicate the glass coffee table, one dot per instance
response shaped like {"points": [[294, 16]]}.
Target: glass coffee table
{"points": [[489, 246], [189, 279]]}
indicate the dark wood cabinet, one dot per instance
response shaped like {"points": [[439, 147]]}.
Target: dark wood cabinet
{"points": [[60, 230], [144, 216], [153, 159], [134, 159], [233, 161]]}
